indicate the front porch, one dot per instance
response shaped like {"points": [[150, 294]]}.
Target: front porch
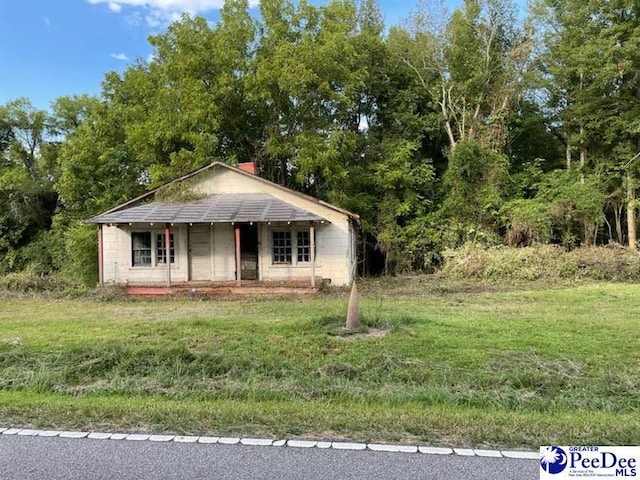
{"points": [[213, 289]]}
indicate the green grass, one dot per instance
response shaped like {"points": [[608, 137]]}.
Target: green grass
{"points": [[516, 368]]}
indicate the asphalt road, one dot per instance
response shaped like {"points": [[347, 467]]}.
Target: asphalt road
{"points": [[36, 458]]}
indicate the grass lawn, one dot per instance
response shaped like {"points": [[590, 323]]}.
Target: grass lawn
{"points": [[513, 368]]}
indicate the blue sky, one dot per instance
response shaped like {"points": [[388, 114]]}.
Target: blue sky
{"points": [[50, 48]]}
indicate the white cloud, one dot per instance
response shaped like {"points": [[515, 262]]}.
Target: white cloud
{"points": [[120, 56], [47, 21], [161, 12]]}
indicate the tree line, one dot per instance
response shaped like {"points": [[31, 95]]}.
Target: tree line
{"points": [[467, 126]]}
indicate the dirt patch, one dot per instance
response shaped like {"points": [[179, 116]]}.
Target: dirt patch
{"points": [[371, 333]]}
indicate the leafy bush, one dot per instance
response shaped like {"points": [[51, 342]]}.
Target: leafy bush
{"points": [[541, 262], [80, 249], [34, 256], [30, 281], [527, 222], [473, 183], [605, 263]]}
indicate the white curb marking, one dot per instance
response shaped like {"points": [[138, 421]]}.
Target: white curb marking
{"points": [[487, 453], [301, 443], [263, 442], [209, 440], [73, 434], [435, 450], [517, 454], [465, 452], [228, 440], [377, 447], [348, 446], [407, 448]]}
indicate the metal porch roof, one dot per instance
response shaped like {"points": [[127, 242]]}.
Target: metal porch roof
{"points": [[221, 208]]}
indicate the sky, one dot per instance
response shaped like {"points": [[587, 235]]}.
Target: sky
{"points": [[52, 48]]}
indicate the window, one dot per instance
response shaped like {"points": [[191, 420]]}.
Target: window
{"points": [[140, 248], [145, 254], [303, 246], [281, 247], [161, 253]]}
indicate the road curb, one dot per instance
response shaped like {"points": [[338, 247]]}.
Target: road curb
{"points": [[270, 442]]}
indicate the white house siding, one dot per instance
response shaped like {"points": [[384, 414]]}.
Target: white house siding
{"points": [[331, 254], [334, 239], [118, 266]]}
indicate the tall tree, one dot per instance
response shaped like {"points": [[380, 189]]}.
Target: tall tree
{"points": [[471, 64], [591, 64], [27, 198]]}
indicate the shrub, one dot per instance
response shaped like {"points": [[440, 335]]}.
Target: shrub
{"points": [[541, 262], [34, 256], [527, 222], [81, 254], [30, 281]]}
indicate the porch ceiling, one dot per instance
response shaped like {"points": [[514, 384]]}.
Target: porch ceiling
{"points": [[222, 208]]}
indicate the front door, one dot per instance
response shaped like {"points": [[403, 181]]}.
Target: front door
{"points": [[249, 251], [199, 252]]}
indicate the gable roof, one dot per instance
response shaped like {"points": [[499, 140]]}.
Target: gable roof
{"points": [[219, 208], [229, 167]]}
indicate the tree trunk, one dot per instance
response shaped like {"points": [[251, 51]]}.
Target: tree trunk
{"points": [[609, 229], [567, 151], [631, 213], [583, 148], [618, 216], [583, 154]]}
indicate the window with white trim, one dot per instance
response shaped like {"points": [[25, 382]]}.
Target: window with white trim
{"points": [[141, 249], [161, 251]]}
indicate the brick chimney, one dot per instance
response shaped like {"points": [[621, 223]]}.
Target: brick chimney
{"points": [[249, 167]]}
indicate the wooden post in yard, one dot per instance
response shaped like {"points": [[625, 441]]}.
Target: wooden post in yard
{"points": [[238, 256], [353, 311], [167, 251], [312, 253], [100, 256]]}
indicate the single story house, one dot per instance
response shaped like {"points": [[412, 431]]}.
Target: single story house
{"points": [[231, 225]]}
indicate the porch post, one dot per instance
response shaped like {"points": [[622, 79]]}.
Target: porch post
{"points": [[238, 256], [100, 256], [312, 253], [167, 251]]}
